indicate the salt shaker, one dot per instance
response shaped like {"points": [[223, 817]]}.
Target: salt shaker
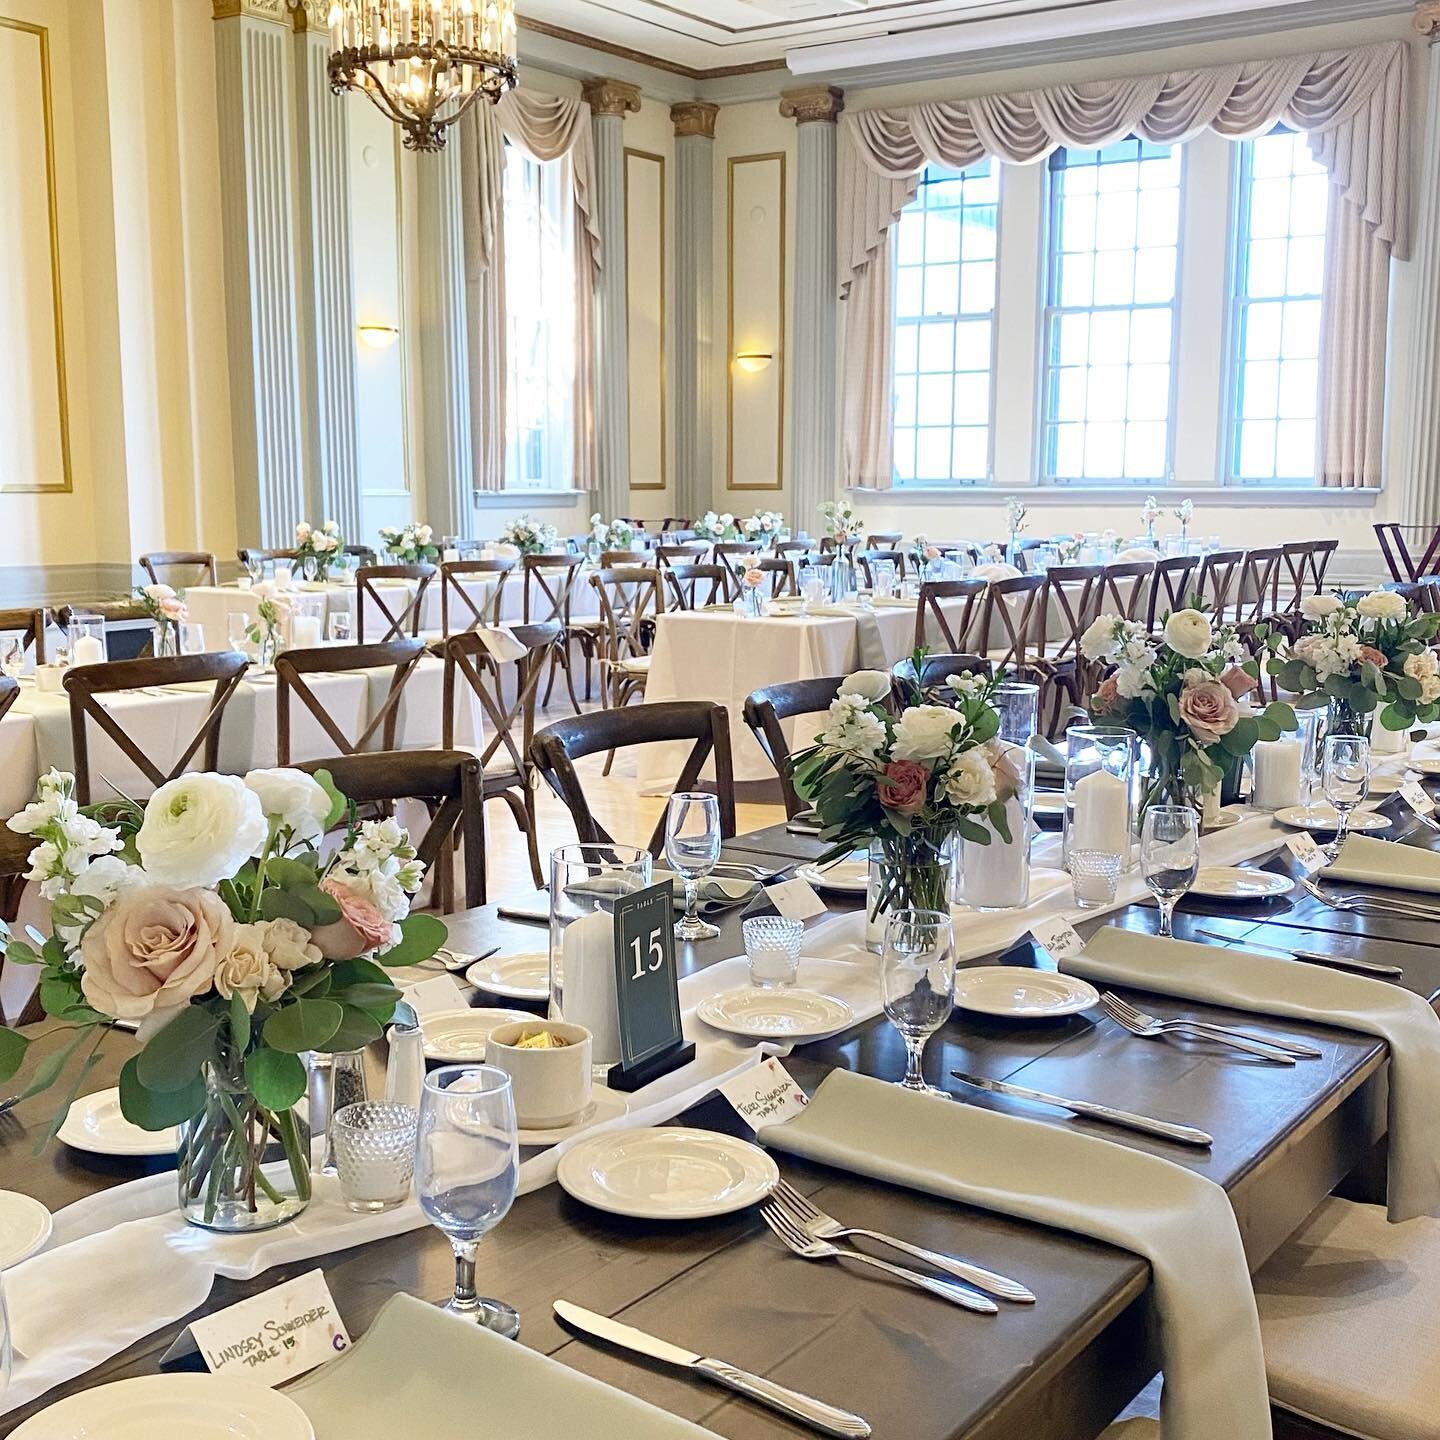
{"points": [[405, 1068]]}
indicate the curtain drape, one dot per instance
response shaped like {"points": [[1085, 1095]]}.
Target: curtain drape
{"points": [[546, 128], [1351, 104]]}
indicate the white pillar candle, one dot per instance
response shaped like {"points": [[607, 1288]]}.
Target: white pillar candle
{"points": [[1278, 766], [997, 876], [88, 651], [587, 960], [304, 631], [1102, 814]]}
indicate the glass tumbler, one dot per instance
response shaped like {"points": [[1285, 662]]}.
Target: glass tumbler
{"points": [[375, 1154], [772, 948]]}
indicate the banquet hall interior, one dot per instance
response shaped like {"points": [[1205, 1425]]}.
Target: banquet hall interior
{"points": [[720, 719]]}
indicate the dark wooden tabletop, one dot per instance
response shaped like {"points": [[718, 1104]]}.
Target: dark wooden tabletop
{"points": [[917, 1368]]}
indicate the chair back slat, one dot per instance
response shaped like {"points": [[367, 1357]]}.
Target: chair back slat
{"points": [[467, 614], [1011, 627], [1395, 546], [31, 626], [1073, 594], [292, 666], [368, 590], [686, 583], [1218, 582], [1127, 588], [767, 710], [549, 586], [1255, 593], [1171, 588], [930, 609], [468, 657], [200, 561]]}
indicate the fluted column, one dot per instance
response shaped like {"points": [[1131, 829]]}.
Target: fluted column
{"points": [[610, 101], [449, 498], [694, 122], [328, 323], [1420, 477], [813, 471], [255, 93]]}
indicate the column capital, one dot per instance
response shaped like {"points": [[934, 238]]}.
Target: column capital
{"points": [[276, 10], [610, 97], [1427, 21], [694, 117], [812, 102], [310, 15]]}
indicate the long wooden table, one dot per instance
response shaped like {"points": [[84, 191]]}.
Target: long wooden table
{"points": [[917, 1368]]}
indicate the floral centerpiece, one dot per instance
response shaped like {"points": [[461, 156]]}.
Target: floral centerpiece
{"points": [[763, 525], [266, 631], [711, 526], [1359, 657], [840, 522], [410, 544], [208, 918], [529, 535], [1150, 512], [921, 553], [1186, 695], [1184, 512], [322, 547], [167, 610], [1069, 548], [617, 535]]}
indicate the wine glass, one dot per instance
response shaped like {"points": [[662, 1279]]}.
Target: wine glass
{"points": [[917, 975], [467, 1167], [692, 849], [340, 627], [1345, 778], [237, 629], [12, 657], [1169, 855]]}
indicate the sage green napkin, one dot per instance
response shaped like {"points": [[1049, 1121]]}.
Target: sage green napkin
{"points": [[1383, 862], [1272, 985], [1180, 1222], [419, 1371], [714, 893]]}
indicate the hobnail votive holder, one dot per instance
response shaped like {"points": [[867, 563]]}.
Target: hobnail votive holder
{"points": [[772, 947], [374, 1154], [1095, 875]]}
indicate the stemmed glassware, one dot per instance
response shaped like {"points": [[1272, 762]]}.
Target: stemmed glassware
{"points": [[917, 975], [1345, 778], [467, 1167], [692, 850], [12, 657], [1169, 855]]}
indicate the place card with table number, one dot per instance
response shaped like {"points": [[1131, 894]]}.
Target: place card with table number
{"points": [[1305, 849], [1413, 793], [1057, 937], [647, 990]]}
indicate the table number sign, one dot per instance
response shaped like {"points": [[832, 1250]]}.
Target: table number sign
{"points": [[765, 1094], [1305, 849], [647, 989]]}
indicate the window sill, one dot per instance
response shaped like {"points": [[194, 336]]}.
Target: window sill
{"points": [[1126, 496], [519, 499]]}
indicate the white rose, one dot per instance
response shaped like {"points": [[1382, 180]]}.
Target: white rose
{"points": [[293, 798], [248, 971], [199, 829], [924, 733], [1382, 605], [969, 780], [1319, 607], [287, 945], [1421, 666], [1187, 633], [425, 532], [1098, 642], [872, 684], [302, 532]]}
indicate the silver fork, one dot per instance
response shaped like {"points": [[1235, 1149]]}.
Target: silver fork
{"points": [[1291, 1047], [799, 1243], [1370, 905], [1148, 1027], [820, 1226]]}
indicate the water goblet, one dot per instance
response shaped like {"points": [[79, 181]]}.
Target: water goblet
{"points": [[1169, 855], [12, 657], [1345, 778], [340, 627], [692, 849], [467, 1168], [917, 974]]}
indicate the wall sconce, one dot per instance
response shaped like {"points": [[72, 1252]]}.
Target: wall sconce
{"points": [[753, 360], [378, 337]]}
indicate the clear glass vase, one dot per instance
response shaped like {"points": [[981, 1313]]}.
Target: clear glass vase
{"points": [[240, 1166], [1342, 718], [911, 872], [996, 876], [167, 638]]}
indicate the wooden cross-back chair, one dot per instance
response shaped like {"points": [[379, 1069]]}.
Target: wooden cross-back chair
{"points": [[1008, 636], [884, 539], [867, 559], [792, 550], [447, 782], [736, 555], [365, 554], [780, 577], [1171, 588], [685, 552], [254, 554], [674, 522], [548, 595], [1071, 598], [84, 684], [467, 614], [30, 627], [504, 762], [930, 611], [557, 747], [368, 590], [1126, 589], [1395, 546], [292, 666], [1217, 584], [1254, 601], [609, 559], [200, 562], [629, 601], [937, 668], [687, 584], [768, 709], [1304, 564]]}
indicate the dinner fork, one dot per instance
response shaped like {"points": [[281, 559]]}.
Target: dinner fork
{"points": [[1149, 1027], [1368, 904], [799, 1243], [819, 1226]]}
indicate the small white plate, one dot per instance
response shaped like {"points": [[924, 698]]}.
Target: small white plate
{"points": [[1322, 817], [775, 1014], [171, 1407], [1425, 764], [459, 1035], [94, 1123], [25, 1226], [1232, 882], [1385, 784], [1020, 994], [604, 1105], [516, 977], [667, 1173], [1048, 802], [850, 875], [1223, 821]]}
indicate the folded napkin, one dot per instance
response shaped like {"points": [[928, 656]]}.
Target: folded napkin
{"points": [[416, 1370], [713, 893], [1180, 1222], [996, 570], [894, 602], [501, 643], [1383, 862], [1271, 985]]}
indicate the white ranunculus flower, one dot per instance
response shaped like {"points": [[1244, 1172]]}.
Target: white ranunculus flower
{"points": [[1098, 642], [1319, 607], [924, 733], [1382, 605], [1187, 633], [872, 684], [969, 780], [852, 730], [199, 829], [293, 798]]}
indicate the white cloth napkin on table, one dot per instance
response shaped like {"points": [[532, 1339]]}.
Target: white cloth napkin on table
{"points": [[1179, 1221], [1272, 985], [1382, 862]]}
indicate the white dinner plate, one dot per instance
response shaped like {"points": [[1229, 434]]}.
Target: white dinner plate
{"points": [[775, 1014], [851, 874], [171, 1407], [1021, 994], [459, 1035], [25, 1226], [516, 977], [1322, 817], [1223, 821], [667, 1173], [1232, 882], [94, 1123], [604, 1105]]}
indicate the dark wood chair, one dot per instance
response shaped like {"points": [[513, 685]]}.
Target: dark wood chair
{"points": [[611, 558], [866, 559], [1303, 565], [548, 595], [1070, 600], [687, 552], [768, 709], [780, 578], [1126, 589], [407, 619], [365, 554], [954, 632], [30, 627], [674, 522], [556, 748], [884, 539], [937, 668], [1255, 599], [1395, 546], [84, 684], [736, 555], [197, 566], [292, 666], [687, 586], [253, 554], [629, 600], [1008, 631], [448, 783], [1218, 581], [467, 614], [1171, 588]]}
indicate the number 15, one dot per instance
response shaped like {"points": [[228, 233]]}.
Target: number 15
{"points": [[656, 953]]}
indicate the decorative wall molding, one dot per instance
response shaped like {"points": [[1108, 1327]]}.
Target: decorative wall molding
{"points": [[645, 300], [812, 103], [611, 97], [276, 10], [694, 321], [28, 585]]}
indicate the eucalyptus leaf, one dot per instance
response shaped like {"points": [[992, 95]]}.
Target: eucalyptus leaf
{"points": [[13, 1046], [324, 908], [283, 905], [326, 782], [173, 1058], [356, 1030], [155, 1109], [276, 1078], [303, 1025], [239, 1023], [420, 937]]}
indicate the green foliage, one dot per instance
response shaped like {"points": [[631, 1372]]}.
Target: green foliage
{"points": [[13, 1046], [276, 1078], [155, 1109], [420, 937], [303, 1025], [175, 1057]]}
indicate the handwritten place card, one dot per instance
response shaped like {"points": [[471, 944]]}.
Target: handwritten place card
{"points": [[1057, 935], [764, 1094], [435, 997], [270, 1338], [1412, 792], [795, 899], [1304, 848]]}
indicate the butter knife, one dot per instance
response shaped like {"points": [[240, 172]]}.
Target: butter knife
{"points": [[828, 1419], [1340, 962], [1185, 1134]]}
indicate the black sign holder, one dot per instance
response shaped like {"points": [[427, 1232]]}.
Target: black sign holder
{"points": [[647, 990]]}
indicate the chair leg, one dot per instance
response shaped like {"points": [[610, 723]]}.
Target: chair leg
{"points": [[570, 679]]}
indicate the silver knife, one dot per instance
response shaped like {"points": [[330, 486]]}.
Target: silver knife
{"points": [[1185, 1134], [1342, 962], [826, 1418]]}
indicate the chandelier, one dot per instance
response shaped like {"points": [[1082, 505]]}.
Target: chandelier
{"points": [[423, 62]]}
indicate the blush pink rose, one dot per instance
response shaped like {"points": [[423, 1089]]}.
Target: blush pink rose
{"points": [[1374, 656], [1237, 682], [1107, 697], [361, 927], [1209, 709], [902, 786]]}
